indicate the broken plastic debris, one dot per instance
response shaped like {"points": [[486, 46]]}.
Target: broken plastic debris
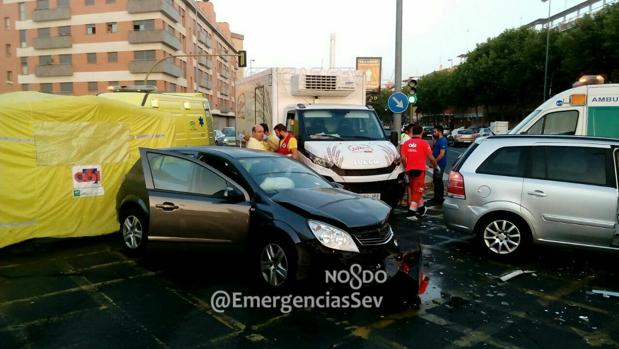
{"points": [[606, 294], [515, 273]]}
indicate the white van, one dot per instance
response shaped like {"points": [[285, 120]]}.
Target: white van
{"points": [[591, 110]]}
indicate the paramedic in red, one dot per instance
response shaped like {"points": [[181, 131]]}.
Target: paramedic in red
{"points": [[288, 143], [414, 153]]}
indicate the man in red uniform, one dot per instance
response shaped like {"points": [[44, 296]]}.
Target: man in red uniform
{"points": [[288, 143], [414, 153]]}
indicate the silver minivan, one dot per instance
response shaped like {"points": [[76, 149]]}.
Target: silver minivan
{"points": [[510, 191]]}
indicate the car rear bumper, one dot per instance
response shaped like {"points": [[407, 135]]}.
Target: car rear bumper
{"points": [[459, 216]]}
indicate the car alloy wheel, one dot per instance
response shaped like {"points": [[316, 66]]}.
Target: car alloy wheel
{"points": [[274, 264], [502, 237], [132, 232]]}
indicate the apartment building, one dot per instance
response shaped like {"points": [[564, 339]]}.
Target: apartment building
{"points": [[79, 47]]}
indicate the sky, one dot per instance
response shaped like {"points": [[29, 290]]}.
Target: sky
{"points": [[296, 33]]}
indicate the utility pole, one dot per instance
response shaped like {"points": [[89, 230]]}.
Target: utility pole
{"points": [[547, 51], [397, 117]]}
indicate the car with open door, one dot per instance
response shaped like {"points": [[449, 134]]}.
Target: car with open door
{"points": [[293, 221]]}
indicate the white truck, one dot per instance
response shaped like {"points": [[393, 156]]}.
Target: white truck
{"points": [[591, 110], [499, 127], [338, 136]]}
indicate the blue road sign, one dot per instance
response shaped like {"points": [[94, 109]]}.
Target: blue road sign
{"points": [[398, 102]]}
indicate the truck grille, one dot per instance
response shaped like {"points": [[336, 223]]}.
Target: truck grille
{"points": [[321, 82], [377, 236], [368, 172]]}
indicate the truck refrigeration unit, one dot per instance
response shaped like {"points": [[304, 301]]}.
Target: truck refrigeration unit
{"points": [[338, 136]]}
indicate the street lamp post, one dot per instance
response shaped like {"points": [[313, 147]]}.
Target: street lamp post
{"points": [[547, 50], [397, 117]]}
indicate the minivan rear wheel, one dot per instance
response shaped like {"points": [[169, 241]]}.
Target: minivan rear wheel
{"points": [[503, 236]]}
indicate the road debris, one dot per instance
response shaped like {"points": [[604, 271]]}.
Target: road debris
{"points": [[513, 274]]}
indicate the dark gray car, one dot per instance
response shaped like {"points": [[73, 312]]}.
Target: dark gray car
{"points": [[292, 220]]}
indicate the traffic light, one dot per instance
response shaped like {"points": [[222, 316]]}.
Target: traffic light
{"points": [[412, 95], [242, 59]]}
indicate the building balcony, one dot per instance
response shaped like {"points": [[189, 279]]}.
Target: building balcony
{"points": [[53, 42], [56, 14], [166, 67], [50, 70], [203, 38], [163, 6], [154, 36], [224, 74]]}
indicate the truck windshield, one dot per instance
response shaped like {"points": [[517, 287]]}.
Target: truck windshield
{"points": [[525, 122], [340, 124]]}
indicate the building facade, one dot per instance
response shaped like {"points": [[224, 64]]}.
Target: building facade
{"points": [[79, 47]]}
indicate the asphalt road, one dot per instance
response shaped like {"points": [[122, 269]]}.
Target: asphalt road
{"points": [[87, 293]]}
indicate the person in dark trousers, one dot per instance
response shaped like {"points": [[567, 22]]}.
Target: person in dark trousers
{"points": [[439, 151]]}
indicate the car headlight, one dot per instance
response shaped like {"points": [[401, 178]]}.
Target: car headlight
{"points": [[320, 161], [332, 237], [397, 161]]}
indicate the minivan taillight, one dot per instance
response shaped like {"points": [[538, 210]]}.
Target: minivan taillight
{"points": [[455, 188]]}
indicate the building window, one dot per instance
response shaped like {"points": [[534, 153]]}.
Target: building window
{"points": [[43, 32], [22, 11], [91, 58], [91, 29], [170, 29], [147, 55], [46, 88], [7, 49], [23, 41], [113, 83], [7, 23], [42, 4], [66, 59], [93, 86], [148, 83], [112, 27], [112, 57], [45, 60], [9, 76], [64, 30], [25, 70], [25, 87], [63, 3], [66, 88], [89, 2], [110, 1], [139, 26]]}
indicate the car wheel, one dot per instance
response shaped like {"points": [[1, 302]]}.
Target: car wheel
{"points": [[134, 230], [277, 264], [504, 236]]}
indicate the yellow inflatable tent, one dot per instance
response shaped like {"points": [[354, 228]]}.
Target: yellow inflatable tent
{"points": [[63, 159]]}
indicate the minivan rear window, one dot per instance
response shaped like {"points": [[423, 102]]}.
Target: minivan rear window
{"points": [[506, 161], [456, 167]]}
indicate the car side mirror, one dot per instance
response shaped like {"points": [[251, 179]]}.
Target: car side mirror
{"points": [[233, 195], [337, 185]]}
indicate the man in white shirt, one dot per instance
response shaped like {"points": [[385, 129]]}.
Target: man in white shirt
{"points": [[256, 141]]}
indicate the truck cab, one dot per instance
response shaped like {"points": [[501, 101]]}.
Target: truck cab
{"points": [[591, 110], [346, 144]]}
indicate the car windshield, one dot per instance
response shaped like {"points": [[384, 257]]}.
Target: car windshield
{"points": [[467, 132], [340, 124], [229, 132], [281, 173]]}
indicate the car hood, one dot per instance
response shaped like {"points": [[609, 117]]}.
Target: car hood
{"points": [[336, 205]]}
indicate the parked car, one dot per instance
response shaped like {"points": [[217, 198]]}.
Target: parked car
{"points": [[484, 132], [452, 134], [464, 136], [511, 191], [220, 137], [291, 220], [231, 138]]}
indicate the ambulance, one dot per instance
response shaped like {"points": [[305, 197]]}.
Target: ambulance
{"points": [[192, 112], [591, 108]]}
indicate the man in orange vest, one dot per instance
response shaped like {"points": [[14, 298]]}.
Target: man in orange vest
{"points": [[288, 143], [415, 152]]}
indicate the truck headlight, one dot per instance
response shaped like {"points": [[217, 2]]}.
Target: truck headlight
{"points": [[332, 237], [320, 161]]}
